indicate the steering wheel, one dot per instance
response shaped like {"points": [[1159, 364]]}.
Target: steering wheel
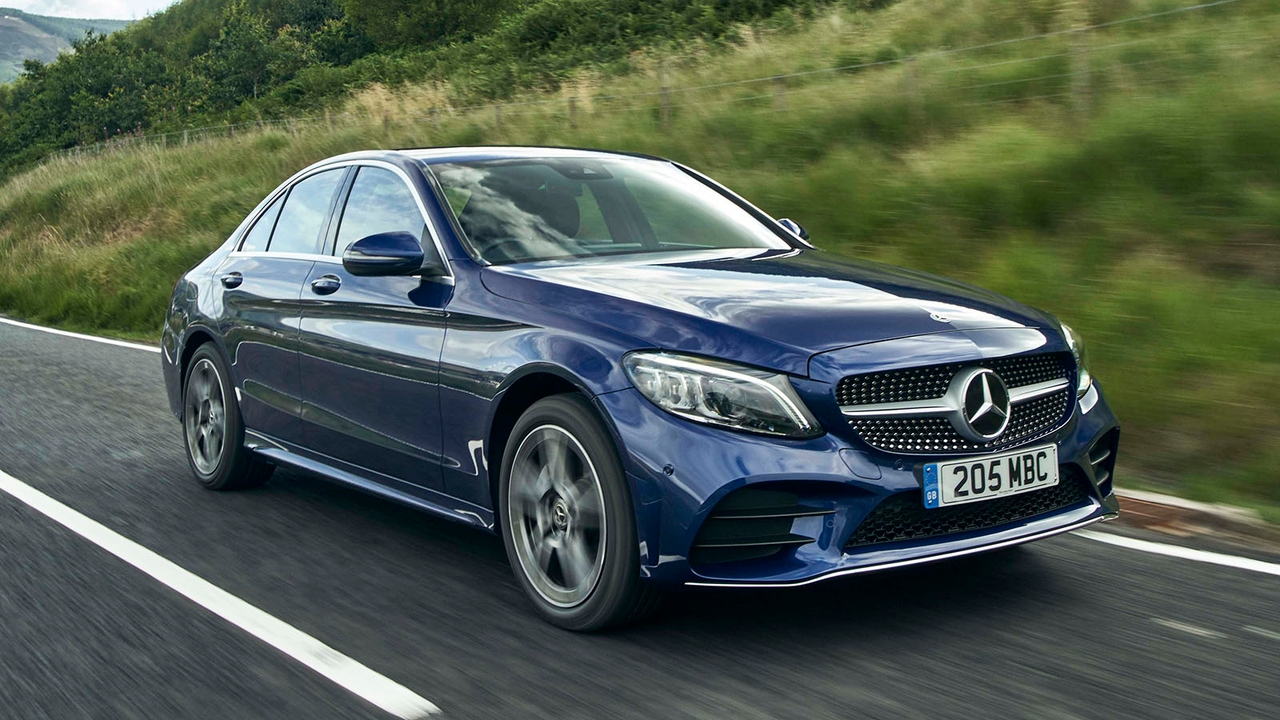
{"points": [[514, 249], [503, 249]]}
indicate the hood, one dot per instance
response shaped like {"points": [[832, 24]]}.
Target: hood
{"points": [[769, 308]]}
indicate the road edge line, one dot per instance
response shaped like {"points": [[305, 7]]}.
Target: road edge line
{"points": [[80, 336], [1184, 553], [373, 687]]}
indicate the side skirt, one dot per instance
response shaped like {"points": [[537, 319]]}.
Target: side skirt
{"points": [[332, 469]]}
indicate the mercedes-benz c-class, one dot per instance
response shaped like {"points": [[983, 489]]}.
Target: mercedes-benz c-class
{"points": [[633, 375]]}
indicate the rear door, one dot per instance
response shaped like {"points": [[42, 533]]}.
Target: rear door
{"points": [[262, 281], [370, 352]]}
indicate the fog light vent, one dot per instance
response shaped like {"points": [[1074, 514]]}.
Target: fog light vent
{"points": [[751, 524], [1102, 456]]}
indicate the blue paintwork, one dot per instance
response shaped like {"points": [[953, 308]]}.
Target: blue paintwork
{"points": [[392, 384]]}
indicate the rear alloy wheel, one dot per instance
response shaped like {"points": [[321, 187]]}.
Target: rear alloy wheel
{"points": [[213, 429], [567, 518]]}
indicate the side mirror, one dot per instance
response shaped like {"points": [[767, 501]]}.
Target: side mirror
{"points": [[391, 253], [794, 228]]}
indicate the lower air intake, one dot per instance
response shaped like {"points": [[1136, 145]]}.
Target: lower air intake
{"points": [[904, 517], [751, 524]]}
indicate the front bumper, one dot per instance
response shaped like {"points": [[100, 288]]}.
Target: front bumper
{"points": [[680, 471]]}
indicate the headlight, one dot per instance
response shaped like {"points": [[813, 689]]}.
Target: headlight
{"points": [[717, 393], [1076, 343]]}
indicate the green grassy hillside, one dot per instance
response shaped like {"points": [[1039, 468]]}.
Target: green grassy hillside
{"points": [[1126, 178], [24, 36]]}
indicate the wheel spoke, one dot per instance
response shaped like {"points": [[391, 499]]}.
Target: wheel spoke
{"points": [[575, 561], [542, 552], [201, 383], [555, 457], [215, 442], [587, 509], [531, 486]]}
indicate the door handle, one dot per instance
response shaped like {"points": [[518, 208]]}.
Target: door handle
{"points": [[232, 280], [326, 284]]}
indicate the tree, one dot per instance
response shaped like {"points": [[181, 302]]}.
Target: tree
{"points": [[239, 61], [393, 24]]}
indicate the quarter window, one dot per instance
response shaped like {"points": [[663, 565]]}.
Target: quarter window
{"points": [[256, 239], [379, 202], [302, 219]]}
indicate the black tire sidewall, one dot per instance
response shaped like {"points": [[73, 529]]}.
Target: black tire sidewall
{"points": [[614, 596]]}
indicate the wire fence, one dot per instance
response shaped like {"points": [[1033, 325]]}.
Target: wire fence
{"points": [[783, 85]]}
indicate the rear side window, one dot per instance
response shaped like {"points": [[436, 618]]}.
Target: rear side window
{"points": [[302, 219], [256, 239], [379, 202]]}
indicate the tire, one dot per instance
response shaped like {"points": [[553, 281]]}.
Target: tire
{"points": [[212, 429], [553, 524]]}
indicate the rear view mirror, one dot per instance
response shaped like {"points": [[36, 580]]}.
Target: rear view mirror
{"points": [[794, 228], [391, 253]]}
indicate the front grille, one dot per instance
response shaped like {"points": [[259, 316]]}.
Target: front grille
{"points": [[1028, 421], [918, 435], [904, 517], [925, 383]]}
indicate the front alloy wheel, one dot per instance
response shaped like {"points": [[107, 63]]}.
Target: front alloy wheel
{"points": [[555, 516], [567, 518]]}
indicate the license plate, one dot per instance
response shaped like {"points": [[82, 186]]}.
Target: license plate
{"points": [[982, 478]]}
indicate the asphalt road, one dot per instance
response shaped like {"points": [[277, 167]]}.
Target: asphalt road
{"points": [[1065, 628]]}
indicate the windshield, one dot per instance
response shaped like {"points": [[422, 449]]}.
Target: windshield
{"points": [[543, 208]]}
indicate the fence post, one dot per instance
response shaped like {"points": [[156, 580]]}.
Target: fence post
{"points": [[435, 119], [573, 112], [184, 138], [1080, 83], [664, 114], [915, 97]]}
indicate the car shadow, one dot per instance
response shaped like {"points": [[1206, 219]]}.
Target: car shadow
{"points": [[976, 591], [957, 590]]}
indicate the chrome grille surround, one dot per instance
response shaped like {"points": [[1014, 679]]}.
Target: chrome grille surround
{"points": [[901, 411]]}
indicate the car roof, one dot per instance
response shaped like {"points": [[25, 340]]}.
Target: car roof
{"points": [[481, 152]]}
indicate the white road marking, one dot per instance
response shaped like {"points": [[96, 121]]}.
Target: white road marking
{"points": [[356, 678], [1178, 551], [94, 338], [1269, 634], [1189, 629]]}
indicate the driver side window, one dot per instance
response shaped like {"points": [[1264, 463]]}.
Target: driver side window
{"points": [[379, 202]]}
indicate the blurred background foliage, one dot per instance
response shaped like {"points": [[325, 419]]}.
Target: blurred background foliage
{"points": [[206, 61], [1125, 177]]}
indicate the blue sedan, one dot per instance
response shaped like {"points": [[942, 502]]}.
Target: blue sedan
{"points": [[636, 377]]}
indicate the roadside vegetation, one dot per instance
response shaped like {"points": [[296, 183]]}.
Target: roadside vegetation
{"points": [[1126, 178], [202, 62]]}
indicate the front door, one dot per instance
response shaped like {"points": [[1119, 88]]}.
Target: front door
{"points": [[370, 346]]}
